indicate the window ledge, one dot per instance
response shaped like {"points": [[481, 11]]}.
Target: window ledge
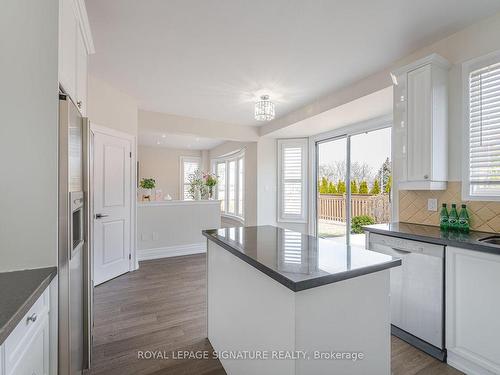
{"points": [[233, 217], [295, 221]]}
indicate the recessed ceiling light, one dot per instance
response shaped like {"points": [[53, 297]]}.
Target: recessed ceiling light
{"points": [[164, 136], [158, 142]]}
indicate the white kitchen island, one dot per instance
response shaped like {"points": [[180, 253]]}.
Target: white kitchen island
{"points": [[284, 303]]}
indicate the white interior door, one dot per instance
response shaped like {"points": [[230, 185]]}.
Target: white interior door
{"points": [[112, 206]]}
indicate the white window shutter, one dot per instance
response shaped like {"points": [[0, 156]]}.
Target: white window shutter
{"points": [[292, 167], [484, 131]]}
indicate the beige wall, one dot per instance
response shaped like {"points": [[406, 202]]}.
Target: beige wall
{"points": [[28, 134], [163, 164], [250, 209], [484, 216], [111, 108], [168, 123]]}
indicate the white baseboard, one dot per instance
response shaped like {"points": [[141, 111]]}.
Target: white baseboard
{"points": [[466, 366], [171, 251]]}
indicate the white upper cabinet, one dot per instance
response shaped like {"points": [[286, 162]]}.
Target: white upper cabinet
{"points": [[421, 124], [81, 74], [75, 45], [68, 27]]}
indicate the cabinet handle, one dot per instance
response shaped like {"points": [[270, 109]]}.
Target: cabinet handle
{"points": [[79, 104], [32, 318], [426, 176]]}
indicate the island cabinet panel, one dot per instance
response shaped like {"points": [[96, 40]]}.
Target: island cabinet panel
{"points": [[473, 310], [250, 311]]}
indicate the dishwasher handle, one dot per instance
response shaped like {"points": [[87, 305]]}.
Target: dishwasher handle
{"points": [[401, 251], [403, 247]]}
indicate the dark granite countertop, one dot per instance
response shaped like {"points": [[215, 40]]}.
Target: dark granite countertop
{"points": [[432, 234], [296, 260], [19, 290]]}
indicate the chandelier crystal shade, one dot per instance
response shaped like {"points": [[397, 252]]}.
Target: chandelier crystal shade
{"points": [[264, 109]]}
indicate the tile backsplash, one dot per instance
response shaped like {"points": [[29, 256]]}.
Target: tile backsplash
{"points": [[484, 216]]}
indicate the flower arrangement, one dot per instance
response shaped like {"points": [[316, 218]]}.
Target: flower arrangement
{"points": [[196, 184], [210, 181], [201, 185]]}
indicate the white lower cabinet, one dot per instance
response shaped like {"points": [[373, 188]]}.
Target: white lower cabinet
{"points": [[26, 349], [473, 311]]}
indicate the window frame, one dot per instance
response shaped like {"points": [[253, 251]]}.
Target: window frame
{"points": [[467, 68], [182, 160], [226, 159], [303, 143]]}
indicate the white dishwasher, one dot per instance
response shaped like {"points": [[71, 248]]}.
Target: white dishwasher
{"points": [[417, 291]]}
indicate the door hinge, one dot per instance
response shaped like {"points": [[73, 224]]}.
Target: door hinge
{"points": [[130, 154], [130, 256]]}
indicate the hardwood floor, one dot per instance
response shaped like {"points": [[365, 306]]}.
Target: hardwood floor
{"points": [[161, 307]]}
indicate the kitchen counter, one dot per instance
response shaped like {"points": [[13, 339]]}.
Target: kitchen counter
{"points": [[434, 235], [318, 261], [19, 290], [271, 290]]}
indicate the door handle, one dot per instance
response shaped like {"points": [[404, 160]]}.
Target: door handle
{"points": [[401, 251], [100, 216]]}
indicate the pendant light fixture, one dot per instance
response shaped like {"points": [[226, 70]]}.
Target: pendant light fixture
{"points": [[264, 109]]}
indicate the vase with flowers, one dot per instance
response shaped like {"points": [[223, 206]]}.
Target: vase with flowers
{"points": [[196, 185], [210, 182]]}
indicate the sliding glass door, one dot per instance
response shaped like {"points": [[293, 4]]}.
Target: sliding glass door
{"points": [[331, 195], [354, 184]]}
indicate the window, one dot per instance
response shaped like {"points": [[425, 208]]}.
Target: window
{"points": [[188, 165], [230, 189], [292, 163], [220, 171], [482, 167]]}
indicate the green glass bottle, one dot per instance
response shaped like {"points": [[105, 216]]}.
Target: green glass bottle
{"points": [[453, 217], [443, 218], [463, 220]]}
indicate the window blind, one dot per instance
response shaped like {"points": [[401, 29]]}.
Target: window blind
{"points": [[484, 130], [292, 180], [292, 187]]}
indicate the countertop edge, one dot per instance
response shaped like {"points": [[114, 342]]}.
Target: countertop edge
{"points": [[297, 286], [8, 327], [474, 246]]}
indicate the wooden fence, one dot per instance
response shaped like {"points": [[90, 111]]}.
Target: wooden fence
{"points": [[332, 207]]}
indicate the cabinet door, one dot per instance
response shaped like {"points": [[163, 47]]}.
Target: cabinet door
{"points": [[67, 48], [473, 310], [419, 124], [34, 358], [81, 74]]}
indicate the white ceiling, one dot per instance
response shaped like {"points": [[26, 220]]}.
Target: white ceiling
{"points": [[209, 59], [177, 141]]}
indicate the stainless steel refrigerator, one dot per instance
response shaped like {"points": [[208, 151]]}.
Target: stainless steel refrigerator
{"points": [[74, 273]]}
